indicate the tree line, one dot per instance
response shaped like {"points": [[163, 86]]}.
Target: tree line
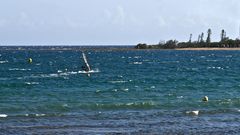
{"points": [[225, 42]]}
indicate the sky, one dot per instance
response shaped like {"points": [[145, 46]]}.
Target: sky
{"points": [[114, 22]]}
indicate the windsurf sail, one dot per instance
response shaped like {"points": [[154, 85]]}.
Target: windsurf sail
{"points": [[86, 62]]}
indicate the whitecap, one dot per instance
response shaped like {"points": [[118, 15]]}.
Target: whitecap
{"points": [[137, 63], [179, 97], [52, 75], [45, 76], [212, 60], [40, 115], [3, 115], [31, 83], [137, 57], [153, 87], [129, 104], [118, 81], [214, 68], [19, 69], [115, 90], [64, 74], [72, 73], [97, 91], [5, 61], [20, 78], [120, 76], [229, 56], [91, 71], [65, 105], [125, 89], [59, 71]]}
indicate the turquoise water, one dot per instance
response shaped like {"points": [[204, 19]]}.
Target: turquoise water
{"points": [[129, 91]]}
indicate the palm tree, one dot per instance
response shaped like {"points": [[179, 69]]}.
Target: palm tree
{"points": [[223, 35], [201, 37], [209, 36], [190, 38]]}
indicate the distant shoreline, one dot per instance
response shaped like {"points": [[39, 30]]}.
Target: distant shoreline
{"points": [[105, 48]]}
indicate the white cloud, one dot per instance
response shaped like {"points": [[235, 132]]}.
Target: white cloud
{"points": [[117, 20], [119, 16], [161, 21], [3, 22], [107, 14], [26, 21]]}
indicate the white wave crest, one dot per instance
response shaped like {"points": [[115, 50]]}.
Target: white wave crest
{"points": [[40, 115], [56, 75], [91, 71], [31, 83], [137, 63], [3, 115], [18, 69], [118, 81], [137, 57], [215, 68], [5, 61]]}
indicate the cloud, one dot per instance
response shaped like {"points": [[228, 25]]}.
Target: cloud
{"points": [[3, 23], [161, 21], [119, 16], [26, 21], [116, 20]]}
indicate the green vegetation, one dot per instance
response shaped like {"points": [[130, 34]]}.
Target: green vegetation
{"points": [[225, 42]]}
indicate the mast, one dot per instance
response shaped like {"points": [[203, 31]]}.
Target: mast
{"points": [[85, 61]]}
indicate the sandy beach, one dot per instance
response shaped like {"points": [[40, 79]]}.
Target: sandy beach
{"points": [[202, 49]]}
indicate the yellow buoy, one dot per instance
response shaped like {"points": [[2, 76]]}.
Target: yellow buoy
{"points": [[205, 99], [30, 60]]}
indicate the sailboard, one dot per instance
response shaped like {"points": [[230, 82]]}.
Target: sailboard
{"points": [[87, 67]]}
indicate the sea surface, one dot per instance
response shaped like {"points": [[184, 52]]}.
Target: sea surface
{"points": [[128, 92]]}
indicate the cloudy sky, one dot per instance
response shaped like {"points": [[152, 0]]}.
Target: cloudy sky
{"points": [[114, 22]]}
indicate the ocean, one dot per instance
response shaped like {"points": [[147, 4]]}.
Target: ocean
{"points": [[129, 91]]}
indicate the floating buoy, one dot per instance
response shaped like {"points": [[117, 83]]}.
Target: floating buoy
{"points": [[205, 99], [30, 60]]}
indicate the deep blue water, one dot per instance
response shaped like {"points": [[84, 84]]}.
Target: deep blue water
{"points": [[130, 91]]}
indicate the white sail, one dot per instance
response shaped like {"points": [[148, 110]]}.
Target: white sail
{"points": [[86, 62]]}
